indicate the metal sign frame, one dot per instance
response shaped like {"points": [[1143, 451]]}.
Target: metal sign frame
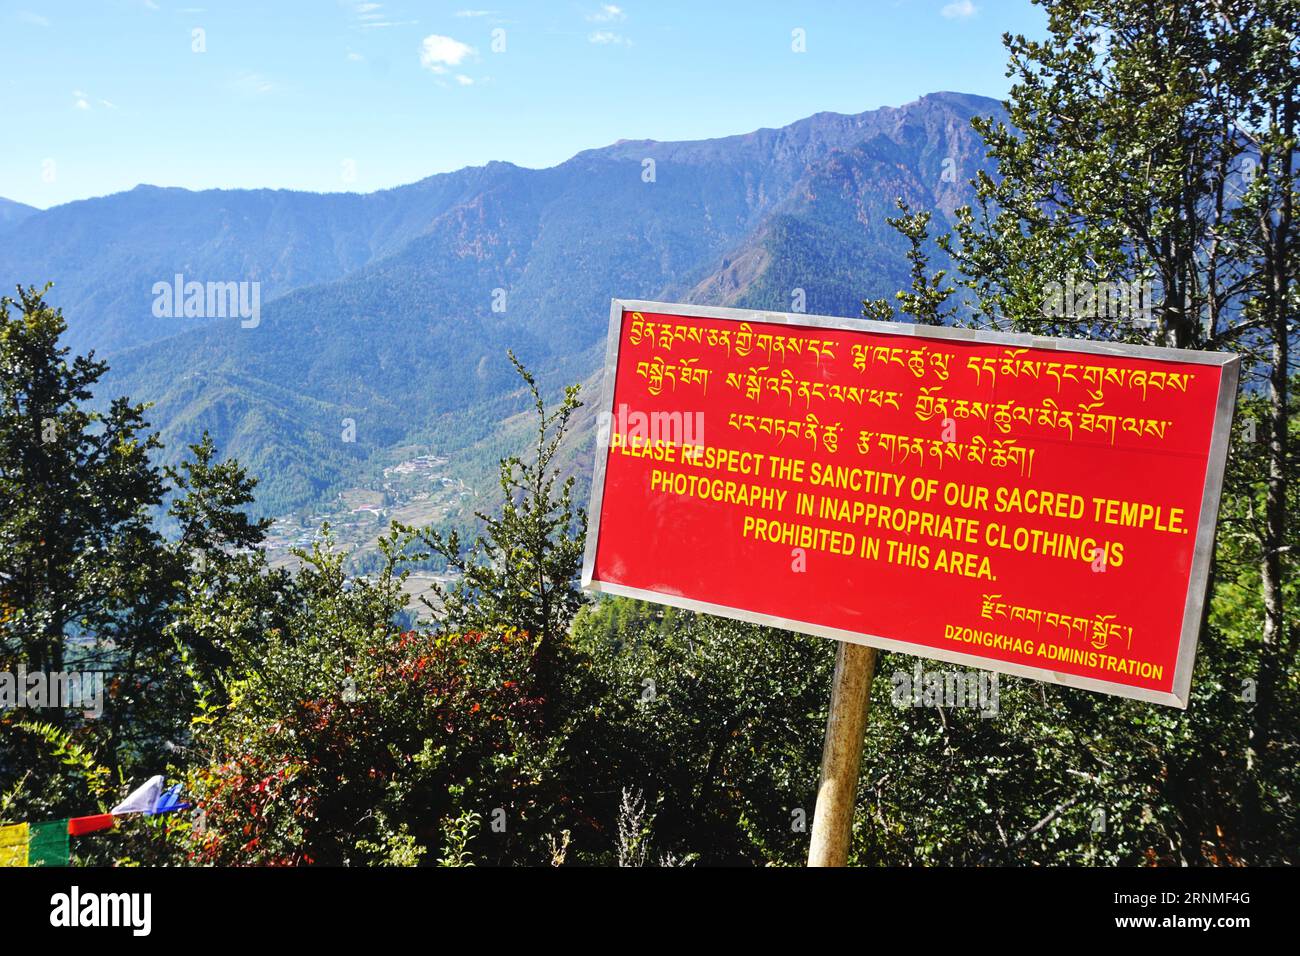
{"points": [[1229, 363]]}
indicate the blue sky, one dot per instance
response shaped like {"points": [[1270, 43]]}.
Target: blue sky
{"points": [[100, 96]]}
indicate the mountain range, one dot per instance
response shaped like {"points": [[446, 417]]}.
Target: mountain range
{"points": [[394, 310], [12, 213]]}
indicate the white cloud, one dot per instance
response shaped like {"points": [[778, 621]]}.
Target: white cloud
{"points": [[959, 10], [33, 19], [475, 13], [371, 16], [609, 37], [439, 52], [608, 13], [464, 80], [82, 100], [252, 84], [355, 57]]}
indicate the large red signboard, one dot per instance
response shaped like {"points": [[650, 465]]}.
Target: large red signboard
{"points": [[1041, 507]]}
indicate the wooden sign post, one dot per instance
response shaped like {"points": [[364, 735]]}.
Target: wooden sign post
{"points": [[967, 496], [846, 724]]}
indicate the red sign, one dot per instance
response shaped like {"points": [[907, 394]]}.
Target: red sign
{"points": [[1040, 507]]}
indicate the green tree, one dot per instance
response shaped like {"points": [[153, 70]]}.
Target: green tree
{"points": [[83, 573], [1151, 144], [926, 300], [716, 724], [344, 740], [87, 581], [76, 486], [224, 593], [522, 570]]}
